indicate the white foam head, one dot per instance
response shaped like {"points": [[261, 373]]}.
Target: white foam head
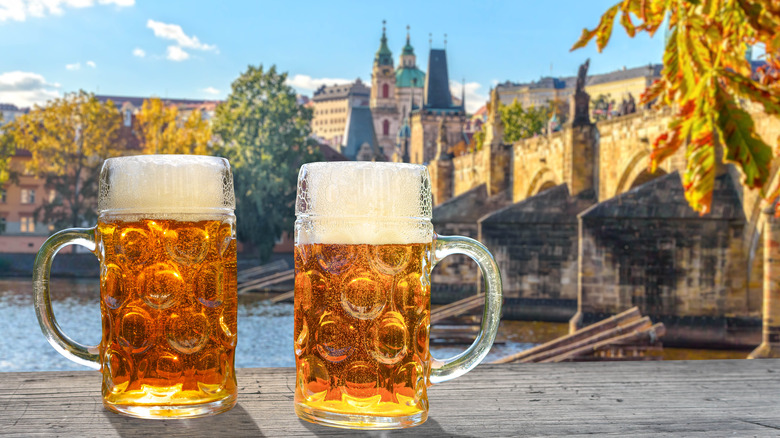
{"points": [[166, 185], [363, 203]]}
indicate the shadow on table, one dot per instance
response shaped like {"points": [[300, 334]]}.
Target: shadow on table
{"points": [[429, 429], [235, 422]]}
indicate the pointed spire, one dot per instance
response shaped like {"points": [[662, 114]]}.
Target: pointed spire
{"points": [[430, 41], [463, 95], [407, 34], [383, 55], [445, 41]]}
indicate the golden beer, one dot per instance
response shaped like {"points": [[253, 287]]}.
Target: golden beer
{"points": [[362, 317], [165, 239], [364, 250], [168, 304]]}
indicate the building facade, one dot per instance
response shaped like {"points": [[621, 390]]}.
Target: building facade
{"points": [[331, 105]]}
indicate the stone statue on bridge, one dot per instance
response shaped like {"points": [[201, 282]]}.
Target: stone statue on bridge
{"points": [[580, 101]]}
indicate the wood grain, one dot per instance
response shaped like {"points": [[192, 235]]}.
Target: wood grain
{"points": [[675, 398]]}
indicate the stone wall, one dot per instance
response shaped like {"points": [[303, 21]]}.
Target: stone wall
{"points": [[469, 171], [647, 248]]}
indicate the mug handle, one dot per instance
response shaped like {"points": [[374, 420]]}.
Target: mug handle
{"points": [[448, 369], [81, 354]]}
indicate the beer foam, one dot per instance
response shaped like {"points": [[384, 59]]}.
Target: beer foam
{"points": [[363, 203], [167, 185]]}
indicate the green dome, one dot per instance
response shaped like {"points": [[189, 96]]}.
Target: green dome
{"points": [[404, 77]]}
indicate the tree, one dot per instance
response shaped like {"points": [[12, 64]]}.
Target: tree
{"points": [[164, 131], [706, 77], [265, 135], [7, 150], [520, 123], [69, 138]]}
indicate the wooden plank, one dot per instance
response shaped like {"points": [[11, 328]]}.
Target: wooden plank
{"points": [[649, 335], [672, 398], [248, 274], [584, 333], [457, 308], [267, 281], [286, 296]]}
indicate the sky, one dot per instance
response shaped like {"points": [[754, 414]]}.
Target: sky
{"points": [[195, 49]]}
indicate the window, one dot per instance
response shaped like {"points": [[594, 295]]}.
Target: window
{"points": [[28, 196], [2, 196], [128, 118], [2, 225], [27, 224], [386, 127], [385, 90]]}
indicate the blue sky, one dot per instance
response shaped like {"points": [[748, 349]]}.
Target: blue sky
{"points": [[195, 49]]}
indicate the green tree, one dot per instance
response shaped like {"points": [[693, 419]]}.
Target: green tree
{"points": [[69, 138], [265, 135], [705, 78], [520, 123], [162, 130]]}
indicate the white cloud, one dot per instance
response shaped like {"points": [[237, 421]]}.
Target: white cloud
{"points": [[139, 52], [474, 98], [91, 64], [175, 53], [210, 90], [74, 66], [308, 83], [25, 89], [174, 32], [19, 10]]}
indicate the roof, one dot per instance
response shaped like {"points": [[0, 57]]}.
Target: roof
{"points": [[330, 154], [555, 205], [664, 198], [469, 206], [405, 77], [437, 93], [650, 70], [341, 91], [359, 130], [138, 101], [8, 107]]}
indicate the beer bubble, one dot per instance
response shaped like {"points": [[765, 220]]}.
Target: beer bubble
{"points": [[210, 284], [335, 260], [302, 338], [407, 293], [388, 338], [113, 287], [186, 245], [362, 296], [161, 284], [360, 380], [187, 331], [133, 246], [225, 236], [136, 329], [228, 328], [422, 335], [118, 368], [303, 289], [313, 379], [335, 337], [390, 259], [405, 380], [168, 366]]}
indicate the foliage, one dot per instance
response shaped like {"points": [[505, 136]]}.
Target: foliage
{"points": [[164, 131], [265, 135], [7, 150], [706, 76], [520, 123], [69, 138]]}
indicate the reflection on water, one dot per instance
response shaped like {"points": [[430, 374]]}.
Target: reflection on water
{"points": [[265, 331]]}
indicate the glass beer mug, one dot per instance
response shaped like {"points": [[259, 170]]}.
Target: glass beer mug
{"points": [[364, 250], [165, 240]]}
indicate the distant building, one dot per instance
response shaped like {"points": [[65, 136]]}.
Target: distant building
{"points": [[439, 123], [331, 105], [19, 231], [10, 112]]}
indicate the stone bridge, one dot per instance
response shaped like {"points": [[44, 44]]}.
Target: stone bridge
{"points": [[579, 225]]}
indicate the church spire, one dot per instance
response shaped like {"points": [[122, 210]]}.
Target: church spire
{"points": [[383, 56]]}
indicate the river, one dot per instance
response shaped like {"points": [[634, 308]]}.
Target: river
{"points": [[265, 331]]}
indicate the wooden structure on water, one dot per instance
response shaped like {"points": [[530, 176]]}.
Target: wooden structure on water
{"points": [[625, 336]]}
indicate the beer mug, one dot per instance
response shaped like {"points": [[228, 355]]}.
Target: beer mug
{"points": [[364, 250], [165, 240]]}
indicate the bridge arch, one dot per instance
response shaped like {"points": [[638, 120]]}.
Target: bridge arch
{"points": [[543, 180], [636, 173]]}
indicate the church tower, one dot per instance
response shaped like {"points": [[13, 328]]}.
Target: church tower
{"points": [[383, 102]]}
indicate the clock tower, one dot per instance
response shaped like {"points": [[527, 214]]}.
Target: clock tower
{"points": [[383, 103]]}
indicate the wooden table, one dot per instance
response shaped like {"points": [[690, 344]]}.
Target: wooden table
{"points": [[678, 398]]}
